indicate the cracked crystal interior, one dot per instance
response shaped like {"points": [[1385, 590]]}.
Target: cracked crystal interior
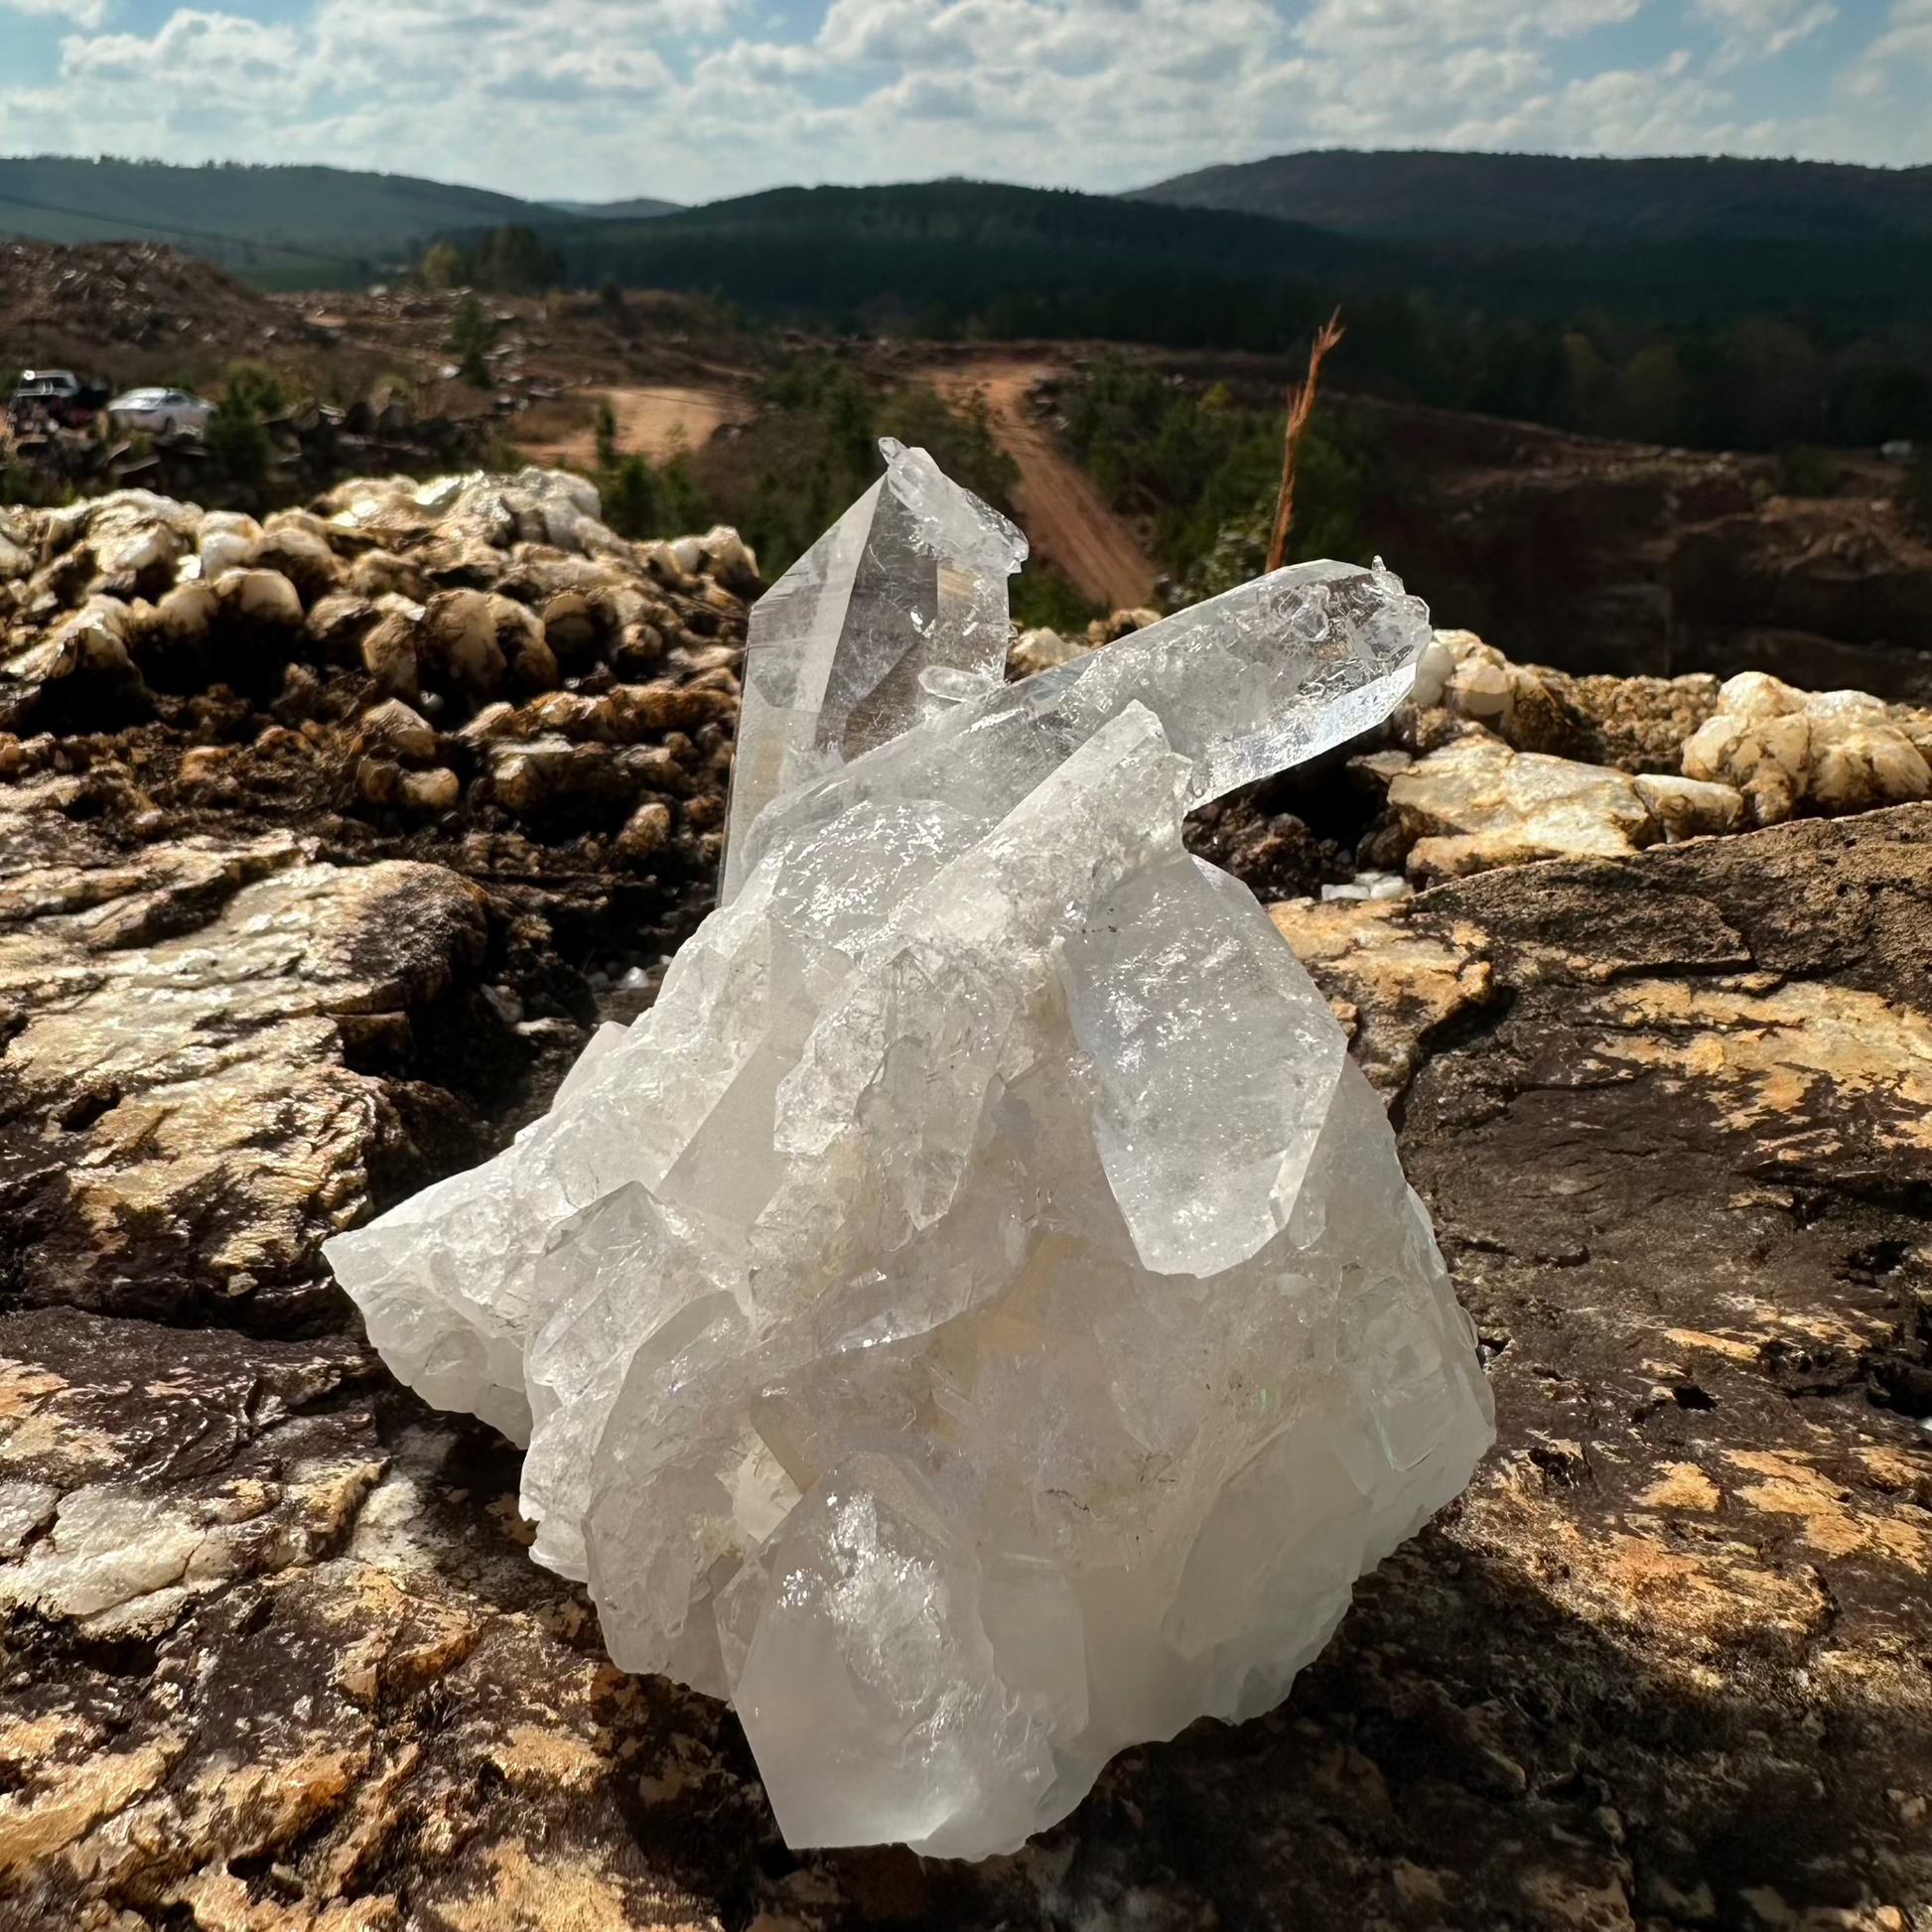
{"points": [[976, 1321]]}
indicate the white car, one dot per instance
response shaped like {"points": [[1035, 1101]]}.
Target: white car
{"points": [[165, 412]]}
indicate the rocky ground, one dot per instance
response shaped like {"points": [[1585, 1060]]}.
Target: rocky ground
{"points": [[135, 306], [326, 842], [1607, 556]]}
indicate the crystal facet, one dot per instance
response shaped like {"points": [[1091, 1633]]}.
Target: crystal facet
{"points": [[898, 609], [976, 1320]]}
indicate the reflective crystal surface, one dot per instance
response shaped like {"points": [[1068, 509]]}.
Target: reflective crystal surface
{"points": [[976, 1320], [897, 608]]}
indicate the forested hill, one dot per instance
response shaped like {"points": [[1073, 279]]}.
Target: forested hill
{"points": [[938, 257], [1540, 201], [315, 225], [935, 256], [1725, 342]]}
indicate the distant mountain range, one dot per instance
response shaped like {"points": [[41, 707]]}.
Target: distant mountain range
{"points": [[1235, 256], [927, 250], [1540, 201], [333, 223], [931, 257], [640, 207], [293, 224]]}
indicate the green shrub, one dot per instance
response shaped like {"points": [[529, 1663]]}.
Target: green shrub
{"points": [[444, 266], [1042, 599], [506, 261], [644, 500], [1806, 472], [515, 261], [237, 445], [1199, 472], [254, 389], [472, 331], [236, 438], [631, 498]]}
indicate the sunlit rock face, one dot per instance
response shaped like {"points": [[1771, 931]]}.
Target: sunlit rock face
{"points": [[976, 1320]]}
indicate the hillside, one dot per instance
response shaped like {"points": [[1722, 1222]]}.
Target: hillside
{"points": [[1540, 199], [280, 224], [1019, 259], [982, 256], [1721, 342], [136, 312], [639, 207]]}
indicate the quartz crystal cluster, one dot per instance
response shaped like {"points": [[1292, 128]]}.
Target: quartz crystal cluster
{"points": [[976, 1320]]}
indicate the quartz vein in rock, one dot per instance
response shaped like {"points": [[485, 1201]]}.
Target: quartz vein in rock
{"points": [[976, 1320]]}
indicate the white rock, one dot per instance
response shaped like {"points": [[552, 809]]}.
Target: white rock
{"points": [[263, 597], [227, 542], [1042, 651], [1689, 808], [976, 1318], [1480, 804], [1435, 668], [91, 640], [1368, 885], [1837, 751]]}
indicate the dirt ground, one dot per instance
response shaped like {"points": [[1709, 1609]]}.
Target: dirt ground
{"points": [[655, 421], [1064, 515]]}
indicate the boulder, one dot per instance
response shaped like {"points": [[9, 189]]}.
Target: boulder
{"points": [[184, 1106], [1785, 749], [1040, 650], [457, 642], [260, 599], [228, 541], [524, 644], [1476, 803], [297, 545], [388, 652], [406, 732]]}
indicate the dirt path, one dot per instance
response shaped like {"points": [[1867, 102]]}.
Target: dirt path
{"points": [[652, 422], [1069, 522]]}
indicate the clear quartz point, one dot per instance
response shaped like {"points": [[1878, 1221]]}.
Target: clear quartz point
{"points": [[976, 1320], [878, 625]]}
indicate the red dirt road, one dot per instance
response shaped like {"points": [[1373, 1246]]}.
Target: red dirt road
{"points": [[1064, 516]]}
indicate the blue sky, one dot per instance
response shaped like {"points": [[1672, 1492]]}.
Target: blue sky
{"points": [[697, 98]]}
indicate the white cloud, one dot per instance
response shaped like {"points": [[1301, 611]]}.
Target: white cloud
{"points": [[1880, 104], [1761, 30], [1350, 26], [83, 13], [223, 50], [696, 98]]}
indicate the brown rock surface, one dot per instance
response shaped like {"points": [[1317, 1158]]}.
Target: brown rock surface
{"points": [[275, 946], [314, 1680], [272, 1656], [276, 1659], [189, 1100]]}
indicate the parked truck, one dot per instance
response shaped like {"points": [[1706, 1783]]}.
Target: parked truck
{"points": [[54, 398]]}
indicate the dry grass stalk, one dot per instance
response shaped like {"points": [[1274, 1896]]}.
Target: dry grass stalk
{"points": [[1300, 405]]}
